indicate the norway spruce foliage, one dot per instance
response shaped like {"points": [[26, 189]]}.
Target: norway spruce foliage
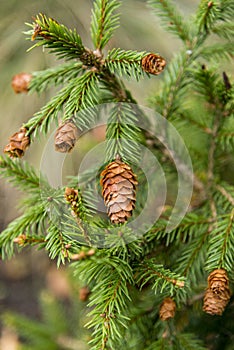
{"points": [[163, 289]]}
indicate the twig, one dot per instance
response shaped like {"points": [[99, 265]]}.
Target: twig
{"points": [[225, 194]]}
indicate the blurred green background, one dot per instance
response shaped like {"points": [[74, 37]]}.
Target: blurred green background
{"points": [[23, 278]]}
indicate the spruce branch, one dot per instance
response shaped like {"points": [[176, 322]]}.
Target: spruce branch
{"points": [[192, 256], [104, 22], [60, 40], [175, 82], [189, 341], [218, 51], [226, 193], [58, 244], [208, 13], [172, 20], [162, 278], [221, 244], [32, 221], [122, 134], [224, 30], [184, 232], [84, 95], [63, 73], [125, 63], [22, 175], [48, 113], [109, 297], [80, 93]]}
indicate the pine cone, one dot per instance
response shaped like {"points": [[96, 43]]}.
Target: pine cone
{"points": [[119, 190], [214, 304], [153, 64], [65, 137], [20, 82], [218, 293], [167, 309], [218, 281], [19, 142], [72, 197]]}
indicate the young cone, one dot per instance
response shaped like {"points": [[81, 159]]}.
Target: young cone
{"points": [[65, 137], [218, 281], [20, 82], [218, 293], [119, 190], [72, 196], [18, 144], [153, 64], [167, 309]]}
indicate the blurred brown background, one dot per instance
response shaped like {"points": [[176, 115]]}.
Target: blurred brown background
{"points": [[23, 278]]}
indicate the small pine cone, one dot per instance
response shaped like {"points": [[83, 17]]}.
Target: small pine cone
{"points": [[72, 197], [20, 82], [218, 281], [65, 137], [167, 309], [84, 293], [119, 190], [153, 64], [218, 293], [19, 142], [215, 304]]}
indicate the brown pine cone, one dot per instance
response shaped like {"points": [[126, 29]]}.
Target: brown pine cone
{"points": [[20, 82], [153, 64], [218, 281], [218, 293], [65, 137], [119, 190], [215, 304], [167, 309], [19, 142]]}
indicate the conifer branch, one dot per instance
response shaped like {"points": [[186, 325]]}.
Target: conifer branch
{"points": [[122, 134], [118, 277], [109, 297], [31, 222], [171, 18], [176, 78], [60, 40], [193, 255], [80, 93], [224, 30], [218, 51], [226, 140], [82, 96], [125, 63], [221, 244], [207, 15], [225, 193], [162, 278], [48, 113], [104, 22], [21, 175], [63, 73], [185, 231], [58, 244]]}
